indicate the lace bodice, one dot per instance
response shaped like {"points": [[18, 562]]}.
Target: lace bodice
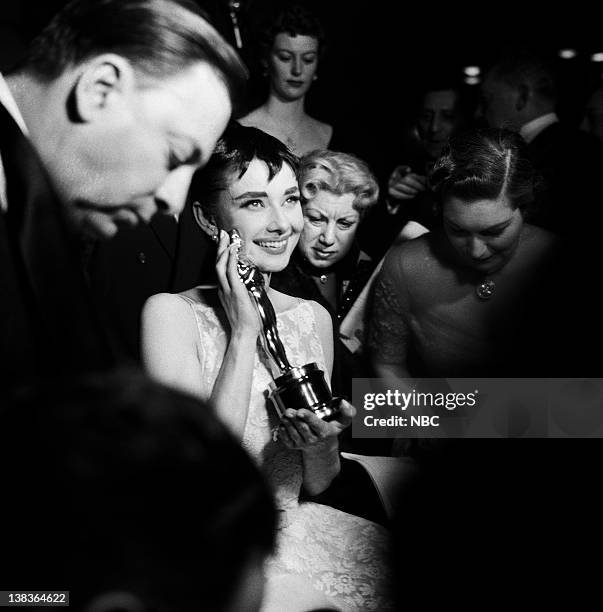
{"points": [[297, 330], [344, 557]]}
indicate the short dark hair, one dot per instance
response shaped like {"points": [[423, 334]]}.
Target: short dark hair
{"points": [[131, 486], [517, 66], [485, 164], [234, 152], [159, 37], [295, 20]]}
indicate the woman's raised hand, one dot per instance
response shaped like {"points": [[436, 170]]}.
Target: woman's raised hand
{"points": [[303, 430], [235, 298]]}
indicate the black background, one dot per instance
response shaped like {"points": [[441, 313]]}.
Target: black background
{"points": [[379, 52]]}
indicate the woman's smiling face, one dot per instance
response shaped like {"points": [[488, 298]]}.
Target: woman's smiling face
{"points": [[266, 212]]}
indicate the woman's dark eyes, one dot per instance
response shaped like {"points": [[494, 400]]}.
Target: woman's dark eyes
{"points": [[253, 204], [492, 233]]}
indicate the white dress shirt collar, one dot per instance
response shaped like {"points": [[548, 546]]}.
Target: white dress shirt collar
{"points": [[531, 129], [7, 100]]}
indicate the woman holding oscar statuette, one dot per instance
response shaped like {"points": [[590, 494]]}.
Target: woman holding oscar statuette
{"points": [[205, 341]]}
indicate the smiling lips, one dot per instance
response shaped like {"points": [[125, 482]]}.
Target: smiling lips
{"points": [[276, 247]]}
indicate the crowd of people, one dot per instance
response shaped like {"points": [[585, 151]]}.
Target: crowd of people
{"points": [[145, 461]]}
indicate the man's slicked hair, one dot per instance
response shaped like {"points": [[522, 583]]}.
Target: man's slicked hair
{"points": [[159, 37]]}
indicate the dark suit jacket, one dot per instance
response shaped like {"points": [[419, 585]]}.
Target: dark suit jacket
{"points": [[48, 324], [571, 163], [166, 256]]}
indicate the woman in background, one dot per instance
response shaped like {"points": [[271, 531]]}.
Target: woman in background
{"points": [[460, 300], [291, 47], [337, 191]]}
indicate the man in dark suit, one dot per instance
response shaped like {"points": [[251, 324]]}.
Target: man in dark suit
{"points": [[102, 125], [519, 93], [167, 255]]}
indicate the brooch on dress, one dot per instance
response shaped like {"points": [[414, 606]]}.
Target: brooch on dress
{"points": [[485, 290]]}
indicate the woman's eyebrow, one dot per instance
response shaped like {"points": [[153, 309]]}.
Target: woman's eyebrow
{"points": [[496, 226], [251, 194]]}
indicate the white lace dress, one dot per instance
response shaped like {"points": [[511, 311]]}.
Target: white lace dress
{"points": [[343, 556]]}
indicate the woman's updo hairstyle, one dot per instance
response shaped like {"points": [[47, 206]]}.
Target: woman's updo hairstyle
{"points": [[337, 173], [485, 164], [294, 20]]}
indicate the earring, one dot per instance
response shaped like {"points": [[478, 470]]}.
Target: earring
{"points": [[315, 77], [215, 237]]}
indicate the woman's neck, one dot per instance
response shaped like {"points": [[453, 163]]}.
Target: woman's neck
{"points": [[285, 111]]}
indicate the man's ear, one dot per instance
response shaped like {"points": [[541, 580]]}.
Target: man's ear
{"points": [[104, 82], [208, 225], [522, 97]]}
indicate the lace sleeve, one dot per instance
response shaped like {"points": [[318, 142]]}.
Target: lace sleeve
{"points": [[388, 334]]}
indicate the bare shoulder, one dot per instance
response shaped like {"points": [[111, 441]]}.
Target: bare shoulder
{"points": [[256, 118], [164, 304], [322, 317], [323, 130], [281, 301], [174, 309]]}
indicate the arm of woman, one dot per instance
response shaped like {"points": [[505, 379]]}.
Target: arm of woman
{"points": [[169, 343], [389, 334], [317, 439], [232, 389], [170, 338]]}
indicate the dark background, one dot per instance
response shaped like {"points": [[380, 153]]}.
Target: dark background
{"points": [[379, 52]]}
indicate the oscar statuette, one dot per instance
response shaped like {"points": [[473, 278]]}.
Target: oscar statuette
{"points": [[295, 386]]}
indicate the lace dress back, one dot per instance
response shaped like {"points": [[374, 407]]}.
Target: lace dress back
{"points": [[342, 556]]}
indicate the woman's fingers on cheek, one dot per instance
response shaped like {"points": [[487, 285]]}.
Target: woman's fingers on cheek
{"points": [[223, 242]]}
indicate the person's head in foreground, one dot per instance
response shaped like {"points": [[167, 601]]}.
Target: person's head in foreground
{"points": [[250, 184], [337, 191], [142, 499], [123, 100], [291, 45], [483, 182]]}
